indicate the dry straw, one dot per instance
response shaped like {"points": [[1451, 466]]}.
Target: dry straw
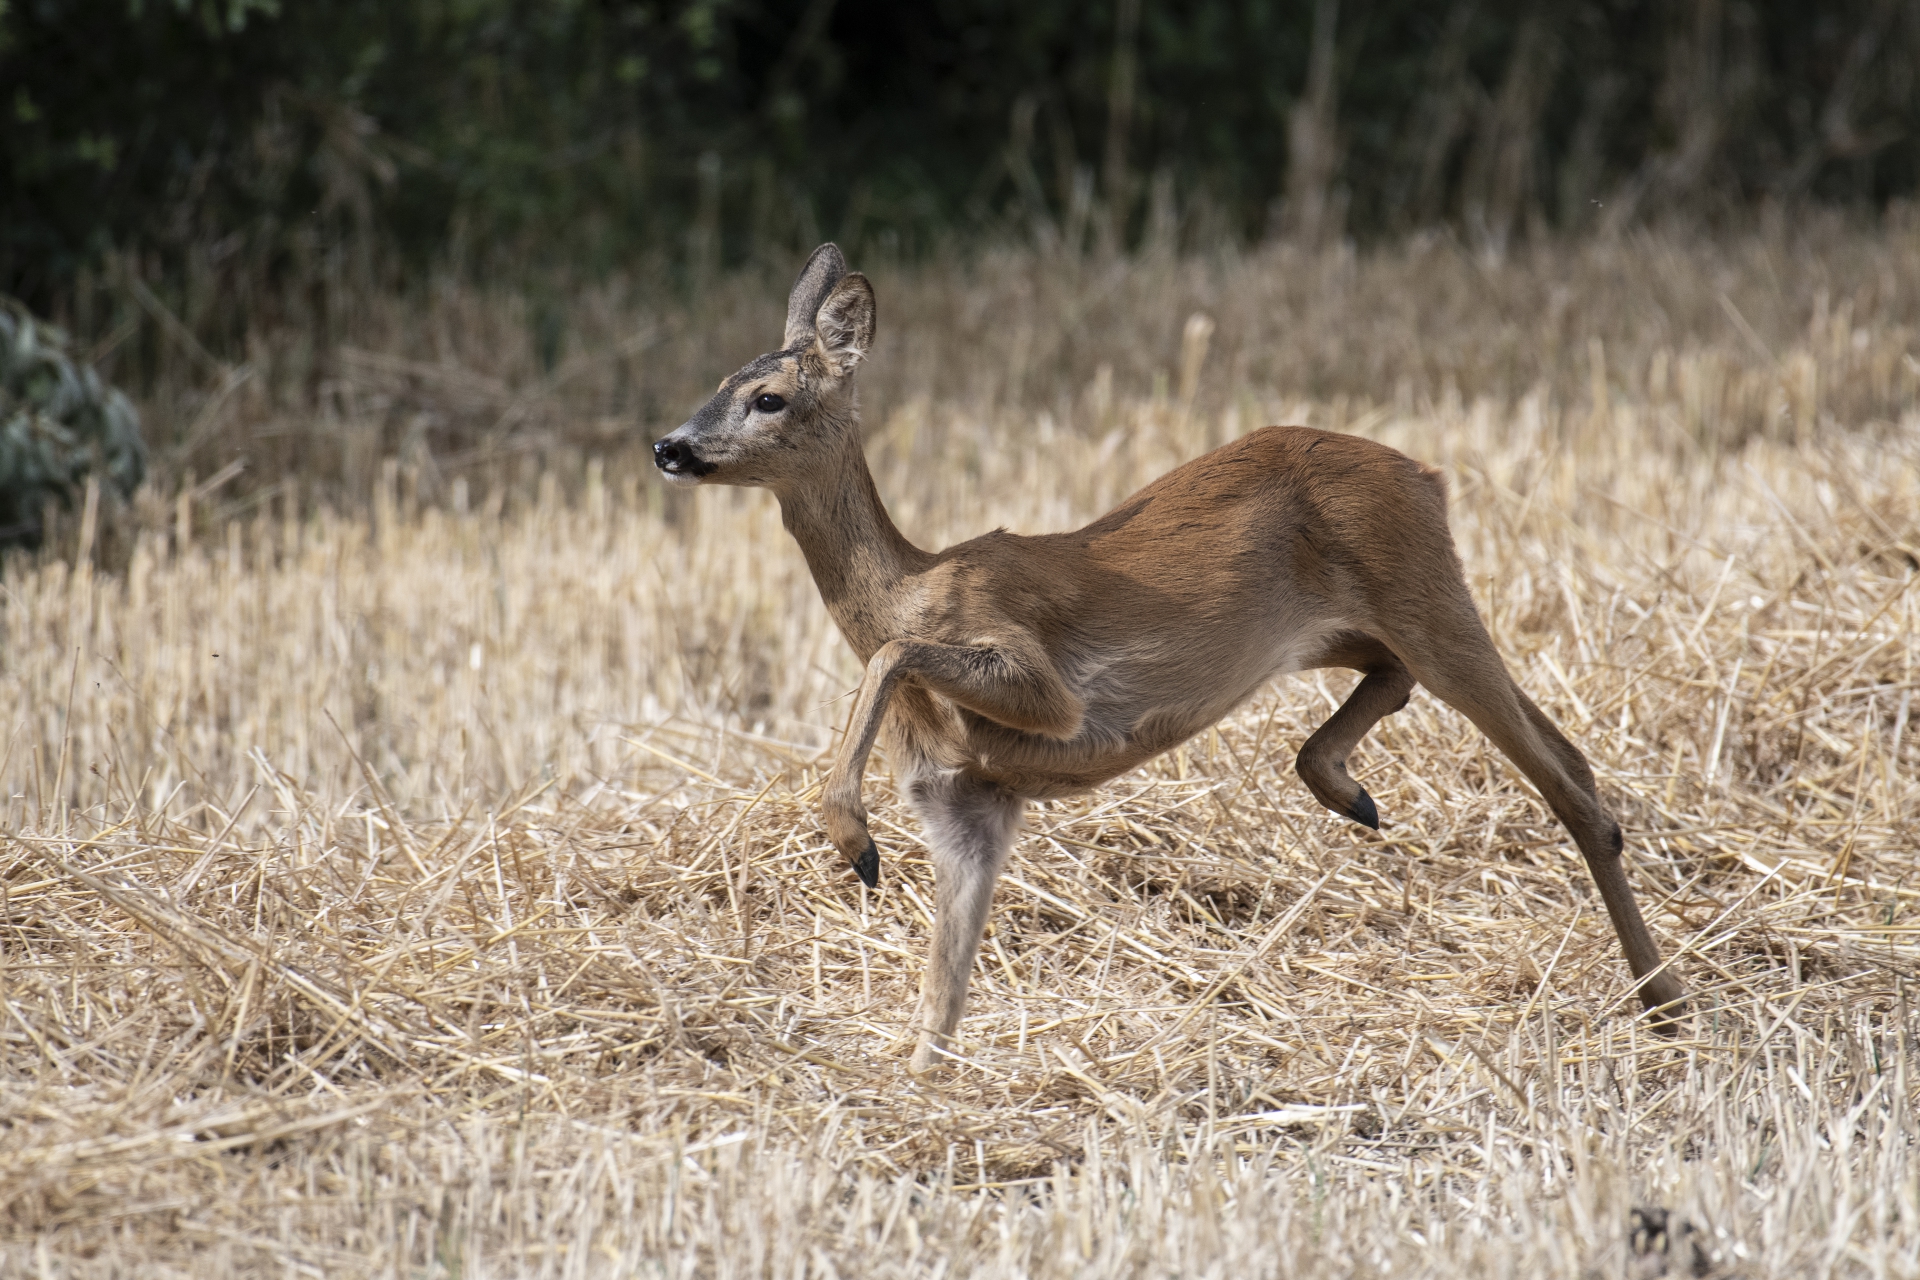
{"points": [[442, 893]]}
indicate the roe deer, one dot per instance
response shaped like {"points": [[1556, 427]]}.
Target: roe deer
{"points": [[1010, 668]]}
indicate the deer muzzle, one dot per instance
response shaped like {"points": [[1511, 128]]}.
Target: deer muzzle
{"points": [[679, 460]]}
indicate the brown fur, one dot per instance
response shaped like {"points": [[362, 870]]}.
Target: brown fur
{"points": [[1012, 668]]}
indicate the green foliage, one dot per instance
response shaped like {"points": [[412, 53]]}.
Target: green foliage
{"points": [[59, 424], [256, 140]]}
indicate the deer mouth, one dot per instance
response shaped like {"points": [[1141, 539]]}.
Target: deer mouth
{"points": [[677, 460]]}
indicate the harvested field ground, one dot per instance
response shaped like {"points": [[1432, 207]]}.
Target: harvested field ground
{"points": [[440, 892]]}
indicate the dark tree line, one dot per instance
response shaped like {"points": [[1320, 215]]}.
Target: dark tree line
{"points": [[272, 138]]}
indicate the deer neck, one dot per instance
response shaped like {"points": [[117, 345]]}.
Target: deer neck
{"points": [[859, 560]]}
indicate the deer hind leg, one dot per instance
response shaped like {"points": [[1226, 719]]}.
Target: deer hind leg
{"points": [[1462, 668], [971, 826], [1322, 762]]}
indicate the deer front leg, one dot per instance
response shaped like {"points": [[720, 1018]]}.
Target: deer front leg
{"points": [[840, 802], [1010, 683]]}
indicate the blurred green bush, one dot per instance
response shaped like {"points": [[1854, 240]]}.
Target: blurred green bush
{"points": [[226, 149], [59, 424]]}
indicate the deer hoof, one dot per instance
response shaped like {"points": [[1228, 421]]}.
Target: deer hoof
{"points": [[1666, 1006], [867, 865], [929, 1062], [1667, 1020], [1363, 811]]}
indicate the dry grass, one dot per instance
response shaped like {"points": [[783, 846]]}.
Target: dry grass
{"points": [[442, 894], [1768, 333]]}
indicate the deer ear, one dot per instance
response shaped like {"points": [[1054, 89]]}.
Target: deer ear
{"points": [[844, 325], [822, 272]]}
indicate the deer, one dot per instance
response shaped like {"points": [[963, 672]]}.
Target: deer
{"points": [[1009, 669]]}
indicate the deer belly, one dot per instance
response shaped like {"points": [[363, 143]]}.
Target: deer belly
{"points": [[1137, 708], [1175, 700]]}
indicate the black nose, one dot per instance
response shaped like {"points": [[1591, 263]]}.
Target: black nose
{"points": [[671, 455]]}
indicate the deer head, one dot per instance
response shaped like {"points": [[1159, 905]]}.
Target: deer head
{"points": [[791, 410]]}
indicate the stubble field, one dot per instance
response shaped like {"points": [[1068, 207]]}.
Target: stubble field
{"points": [[433, 886]]}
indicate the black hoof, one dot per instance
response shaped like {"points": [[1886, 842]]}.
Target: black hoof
{"points": [[867, 866], [1667, 1019], [1363, 812]]}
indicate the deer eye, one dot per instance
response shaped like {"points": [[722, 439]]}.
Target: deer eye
{"points": [[769, 403]]}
